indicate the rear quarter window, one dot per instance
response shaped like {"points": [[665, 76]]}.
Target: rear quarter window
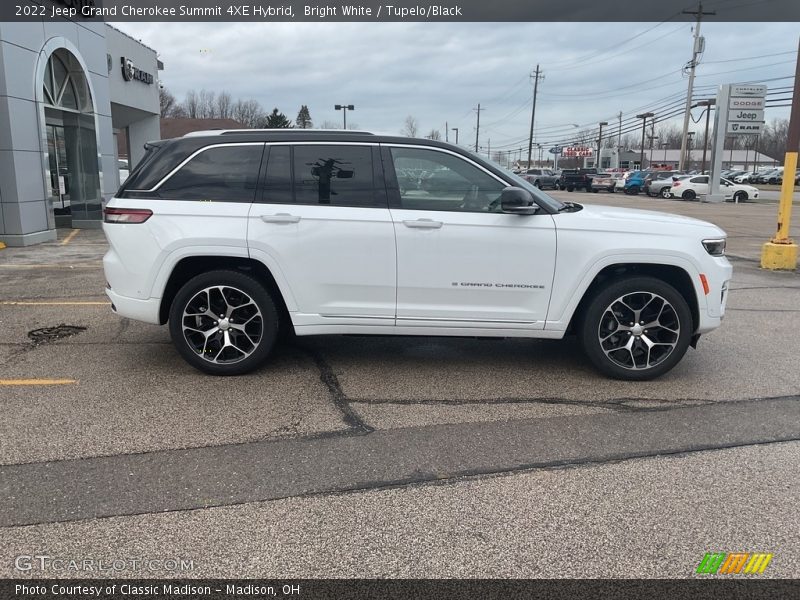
{"points": [[217, 174]]}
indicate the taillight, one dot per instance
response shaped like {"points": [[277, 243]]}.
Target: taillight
{"points": [[127, 215], [676, 184]]}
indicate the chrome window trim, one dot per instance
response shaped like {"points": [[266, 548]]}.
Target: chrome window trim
{"points": [[191, 156], [456, 154]]}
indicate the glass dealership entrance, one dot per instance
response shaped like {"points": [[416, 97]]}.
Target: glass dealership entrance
{"points": [[74, 170]]}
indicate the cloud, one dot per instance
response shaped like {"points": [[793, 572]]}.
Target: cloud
{"points": [[438, 72]]}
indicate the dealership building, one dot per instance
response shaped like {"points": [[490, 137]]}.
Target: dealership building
{"points": [[67, 89]]}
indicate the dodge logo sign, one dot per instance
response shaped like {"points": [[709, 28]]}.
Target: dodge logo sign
{"points": [[130, 72]]}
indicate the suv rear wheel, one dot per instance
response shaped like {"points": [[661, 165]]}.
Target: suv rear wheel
{"points": [[636, 328], [223, 322]]}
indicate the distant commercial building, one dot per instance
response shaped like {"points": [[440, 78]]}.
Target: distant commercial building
{"points": [[669, 159], [66, 89]]}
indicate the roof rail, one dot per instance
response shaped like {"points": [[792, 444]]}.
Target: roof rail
{"points": [[279, 130]]}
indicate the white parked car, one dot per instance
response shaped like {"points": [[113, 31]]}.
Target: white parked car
{"points": [[124, 169], [689, 188], [233, 236]]}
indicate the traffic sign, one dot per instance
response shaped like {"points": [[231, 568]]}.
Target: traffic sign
{"points": [[748, 90], [736, 128], [748, 102], [746, 115]]}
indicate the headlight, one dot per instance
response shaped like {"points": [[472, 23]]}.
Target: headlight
{"points": [[715, 247]]}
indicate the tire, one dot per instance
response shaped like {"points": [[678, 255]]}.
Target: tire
{"points": [[612, 190], [620, 350], [570, 189], [633, 190], [239, 296], [740, 197], [665, 193], [595, 190], [536, 184], [689, 195]]}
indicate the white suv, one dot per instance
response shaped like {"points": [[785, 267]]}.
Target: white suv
{"points": [[233, 236]]}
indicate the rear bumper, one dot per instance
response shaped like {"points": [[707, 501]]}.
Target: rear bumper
{"points": [[134, 308]]}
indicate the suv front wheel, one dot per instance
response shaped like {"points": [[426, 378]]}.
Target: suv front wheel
{"points": [[223, 322], [636, 328]]}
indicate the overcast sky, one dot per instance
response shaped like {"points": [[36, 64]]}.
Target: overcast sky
{"points": [[439, 72]]}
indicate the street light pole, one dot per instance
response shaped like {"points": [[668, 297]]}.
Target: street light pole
{"points": [[689, 139], [643, 117], [599, 144], [456, 130], [344, 108]]}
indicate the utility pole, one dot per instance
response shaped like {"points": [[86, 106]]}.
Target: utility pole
{"points": [[446, 132], [619, 140], [537, 75], [599, 144], [697, 50], [781, 251], [489, 149], [478, 127]]}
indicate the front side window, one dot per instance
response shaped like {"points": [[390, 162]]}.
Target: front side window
{"points": [[432, 180], [222, 174], [700, 180]]}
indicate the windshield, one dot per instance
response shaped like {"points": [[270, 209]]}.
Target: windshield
{"points": [[545, 200]]}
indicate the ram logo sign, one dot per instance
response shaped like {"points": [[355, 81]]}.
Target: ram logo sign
{"points": [[734, 563]]}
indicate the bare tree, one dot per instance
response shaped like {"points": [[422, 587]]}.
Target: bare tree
{"points": [[224, 105], [434, 135], [166, 101], [330, 125], [190, 104], [248, 112], [207, 108], [410, 127]]}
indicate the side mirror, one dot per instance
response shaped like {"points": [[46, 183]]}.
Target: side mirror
{"points": [[517, 201]]}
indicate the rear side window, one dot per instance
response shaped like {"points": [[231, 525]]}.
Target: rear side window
{"points": [[321, 175], [221, 174]]}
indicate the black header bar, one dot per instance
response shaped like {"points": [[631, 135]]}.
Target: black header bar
{"points": [[265, 11]]}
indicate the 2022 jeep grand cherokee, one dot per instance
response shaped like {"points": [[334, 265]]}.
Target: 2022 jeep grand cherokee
{"points": [[232, 235]]}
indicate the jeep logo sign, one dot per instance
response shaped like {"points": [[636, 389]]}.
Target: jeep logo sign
{"points": [[131, 72]]}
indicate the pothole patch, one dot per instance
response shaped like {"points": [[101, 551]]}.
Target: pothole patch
{"points": [[51, 334]]}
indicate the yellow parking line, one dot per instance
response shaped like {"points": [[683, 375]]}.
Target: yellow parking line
{"points": [[37, 381], [68, 239], [48, 303]]}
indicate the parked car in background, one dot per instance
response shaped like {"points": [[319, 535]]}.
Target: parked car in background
{"points": [[661, 187], [654, 181], [690, 188], [124, 169], [541, 178], [634, 183], [773, 177], [622, 179], [603, 182], [577, 179]]}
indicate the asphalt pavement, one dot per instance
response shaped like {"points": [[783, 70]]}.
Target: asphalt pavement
{"points": [[356, 456]]}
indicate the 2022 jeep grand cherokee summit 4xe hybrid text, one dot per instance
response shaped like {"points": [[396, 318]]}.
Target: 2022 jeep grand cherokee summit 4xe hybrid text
{"points": [[230, 236]]}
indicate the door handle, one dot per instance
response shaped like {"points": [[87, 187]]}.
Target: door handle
{"points": [[423, 224], [280, 218]]}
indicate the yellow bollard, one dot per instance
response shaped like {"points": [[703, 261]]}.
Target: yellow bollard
{"points": [[780, 253]]}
